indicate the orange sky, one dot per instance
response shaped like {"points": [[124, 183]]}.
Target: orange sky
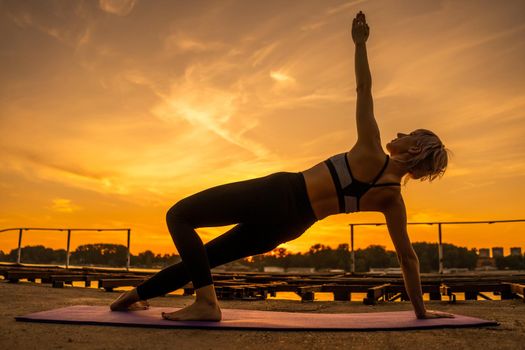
{"points": [[112, 111]]}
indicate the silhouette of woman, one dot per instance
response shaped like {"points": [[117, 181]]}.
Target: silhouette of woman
{"points": [[280, 207]]}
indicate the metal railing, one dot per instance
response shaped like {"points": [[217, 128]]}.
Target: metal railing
{"points": [[69, 230], [352, 251], [440, 238]]}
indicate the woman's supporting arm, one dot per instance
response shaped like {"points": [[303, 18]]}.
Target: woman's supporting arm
{"points": [[396, 221], [412, 279]]}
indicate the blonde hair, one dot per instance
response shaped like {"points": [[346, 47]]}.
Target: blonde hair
{"points": [[431, 162]]}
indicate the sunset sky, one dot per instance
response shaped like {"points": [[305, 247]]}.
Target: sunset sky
{"points": [[112, 111]]}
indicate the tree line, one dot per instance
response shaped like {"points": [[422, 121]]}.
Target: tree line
{"points": [[319, 256], [98, 254]]}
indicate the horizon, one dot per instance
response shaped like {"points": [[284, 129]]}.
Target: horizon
{"points": [[288, 251], [111, 114]]}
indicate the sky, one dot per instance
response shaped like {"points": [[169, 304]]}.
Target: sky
{"points": [[111, 111]]}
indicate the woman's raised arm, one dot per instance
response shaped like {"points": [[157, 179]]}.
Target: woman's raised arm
{"points": [[367, 130]]}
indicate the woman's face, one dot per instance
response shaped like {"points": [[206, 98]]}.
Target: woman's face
{"points": [[401, 143]]}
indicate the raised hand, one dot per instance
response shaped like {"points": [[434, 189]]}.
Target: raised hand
{"points": [[360, 29]]}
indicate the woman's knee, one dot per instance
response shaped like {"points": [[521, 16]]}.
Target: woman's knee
{"points": [[178, 212]]}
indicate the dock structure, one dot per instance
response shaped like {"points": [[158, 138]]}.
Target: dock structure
{"points": [[259, 285]]}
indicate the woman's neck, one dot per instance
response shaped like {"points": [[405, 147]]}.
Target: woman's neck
{"points": [[396, 168]]}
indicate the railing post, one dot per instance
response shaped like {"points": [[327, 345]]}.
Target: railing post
{"points": [[352, 252], [67, 250], [19, 246], [440, 250], [129, 238]]}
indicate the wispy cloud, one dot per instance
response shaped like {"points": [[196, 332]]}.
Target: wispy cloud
{"points": [[117, 7], [63, 205], [181, 42]]}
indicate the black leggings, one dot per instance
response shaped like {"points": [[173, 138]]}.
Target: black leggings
{"points": [[268, 211]]}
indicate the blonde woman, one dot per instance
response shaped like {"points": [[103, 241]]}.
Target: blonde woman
{"points": [[280, 207]]}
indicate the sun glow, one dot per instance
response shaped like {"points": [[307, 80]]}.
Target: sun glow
{"points": [[112, 111]]}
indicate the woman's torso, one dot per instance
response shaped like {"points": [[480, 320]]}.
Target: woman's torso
{"points": [[365, 165]]}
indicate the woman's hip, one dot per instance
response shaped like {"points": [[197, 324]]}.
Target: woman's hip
{"points": [[276, 198]]}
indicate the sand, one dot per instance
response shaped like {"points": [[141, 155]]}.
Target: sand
{"points": [[23, 298]]}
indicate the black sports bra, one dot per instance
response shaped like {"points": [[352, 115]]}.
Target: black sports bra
{"points": [[349, 190]]}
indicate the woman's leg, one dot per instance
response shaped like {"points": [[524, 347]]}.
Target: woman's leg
{"points": [[265, 199], [255, 200], [241, 241]]}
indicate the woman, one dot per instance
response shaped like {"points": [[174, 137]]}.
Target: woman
{"points": [[280, 207]]}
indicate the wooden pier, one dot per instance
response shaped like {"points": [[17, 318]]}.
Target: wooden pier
{"points": [[258, 286]]}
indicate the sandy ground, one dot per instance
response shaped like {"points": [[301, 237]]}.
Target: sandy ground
{"points": [[23, 298]]}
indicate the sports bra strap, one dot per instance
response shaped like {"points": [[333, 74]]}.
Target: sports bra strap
{"points": [[381, 172], [387, 184]]}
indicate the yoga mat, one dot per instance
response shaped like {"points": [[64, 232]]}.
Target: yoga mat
{"points": [[252, 319]]}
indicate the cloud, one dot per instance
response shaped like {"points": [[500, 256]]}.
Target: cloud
{"points": [[33, 164], [68, 22], [209, 108], [184, 43], [63, 205], [281, 77], [262, 53], [343, 7], [117, 7]]}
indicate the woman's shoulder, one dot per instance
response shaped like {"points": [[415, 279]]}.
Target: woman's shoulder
{"points": [[366, 162], [370, 153], [391, 199]]}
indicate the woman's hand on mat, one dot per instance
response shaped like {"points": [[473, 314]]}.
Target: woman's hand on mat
{"points": [[360, 29], [436, 314]]}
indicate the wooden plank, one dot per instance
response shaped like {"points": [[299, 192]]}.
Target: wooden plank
{"points": [[374, 293], [446, 290], [486, 297], [312, 289], [307, 293], [58, 284], [471, 295], [395, 297], [240, 292], [477, 287], [15, 276], [67, 278], [517, 289], [109, 283]]}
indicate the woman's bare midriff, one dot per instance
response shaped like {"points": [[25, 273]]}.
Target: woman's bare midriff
{"points": [[321, 191]]}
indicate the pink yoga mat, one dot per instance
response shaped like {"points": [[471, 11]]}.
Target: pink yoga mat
{"points": [[252, 319]]}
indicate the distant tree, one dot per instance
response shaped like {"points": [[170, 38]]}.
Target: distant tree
{"points": [[428, 256], [461, 257], [453, 256], [343, 257], [512, 262], [319, 256], [146, 258], [38, 255], [100, 254], [374, 256], [4, 257]]}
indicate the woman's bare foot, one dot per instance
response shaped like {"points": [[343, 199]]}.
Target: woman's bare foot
{"points": [[205, 308], [198, 311], [129, 301]]}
